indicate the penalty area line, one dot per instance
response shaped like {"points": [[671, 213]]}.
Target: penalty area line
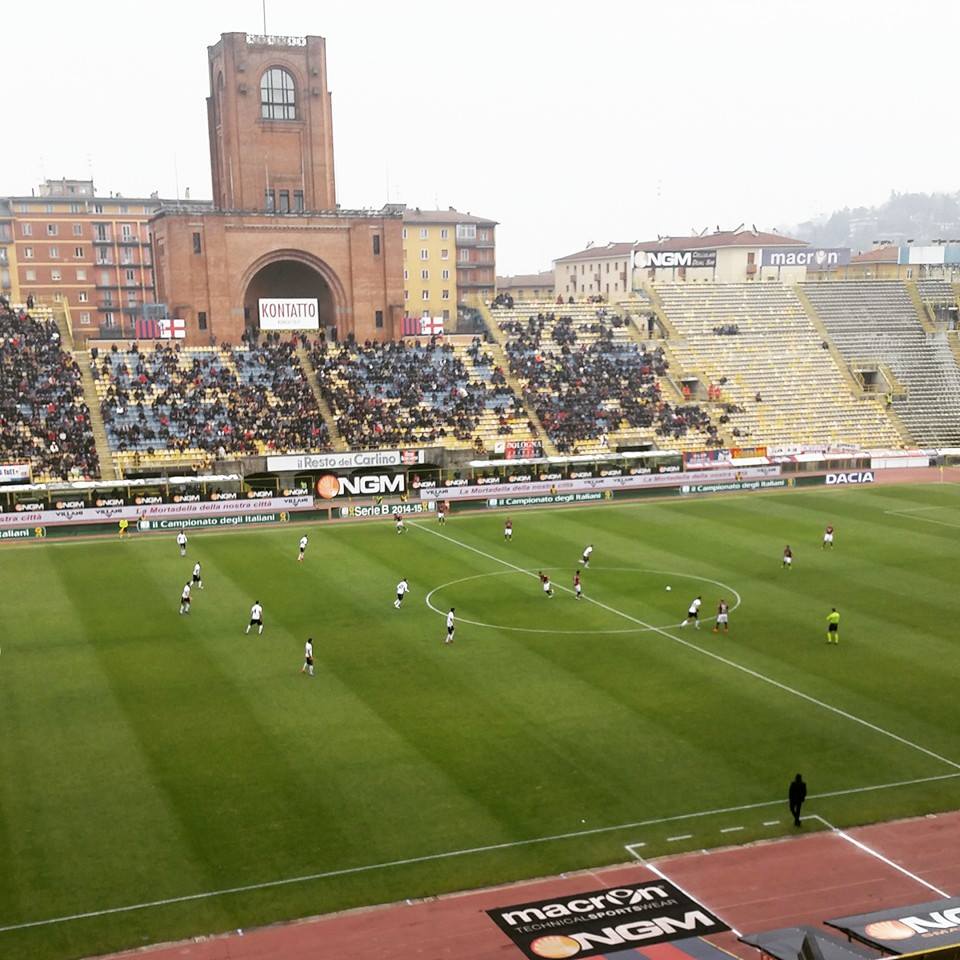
{"points": [[704, 651], [427, 858]]}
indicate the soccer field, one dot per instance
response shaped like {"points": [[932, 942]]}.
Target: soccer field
{"points": [[175, 765]]}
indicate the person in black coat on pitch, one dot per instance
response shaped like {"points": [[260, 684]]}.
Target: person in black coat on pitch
{"points": [[797, 794]]}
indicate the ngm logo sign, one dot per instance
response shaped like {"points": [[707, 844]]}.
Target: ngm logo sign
{"points": [[594, 923], [674, 258], [930, 926], [330, 486]]}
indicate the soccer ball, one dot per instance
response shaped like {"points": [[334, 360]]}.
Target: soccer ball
{"points": [[669, 588]]}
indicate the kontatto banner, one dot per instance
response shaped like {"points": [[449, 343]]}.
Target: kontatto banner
{"points": [[604, 921], [14, 472], [289, 314]]}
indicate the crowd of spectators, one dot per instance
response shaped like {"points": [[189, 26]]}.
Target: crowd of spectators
{"points": [[43, 417], [228, 402], [385, 394], [583, 391], [727, 330]]}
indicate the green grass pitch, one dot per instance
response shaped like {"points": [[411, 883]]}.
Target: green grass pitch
{"points": [[147, 757]]}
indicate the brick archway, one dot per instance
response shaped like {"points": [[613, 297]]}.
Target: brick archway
{"points": [[295, 273]]}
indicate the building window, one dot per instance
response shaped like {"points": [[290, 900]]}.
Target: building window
{"points": [[74, 207], [103, 255], [57, 297], [406, 294], [298, 201], [277, 95], [424, 233], [484, 235], [463, 256], [82, 296], [126, 231], [424, 294], [445, 295], [108, 319], [54, 253], [26, 229], [124, 208], [424, 253], [28, 253], [85, 319], [78, 252], [30, 275], [378, 319], [100, 232], [202, 319], [404, 234], [444, 274], [284, 201], [446, 315], [197, 247], [78, 229], [444, 233], [466, 231], [424, 274], [131, 276], [376, 244], [52, 229], [444, 254], [98, 208], [54, 274], [81, 274], [269, 201], [406, 274]]}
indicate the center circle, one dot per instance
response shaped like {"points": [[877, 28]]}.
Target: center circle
{"points": [[532, 573]]}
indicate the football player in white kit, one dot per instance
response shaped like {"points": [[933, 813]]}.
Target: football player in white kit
{"points": [[303, 548], [308, 657], [451, 626], [693, 613], [256, 618], [827, 538], [197, 578], [182, 542], [402, 588], [185, 599], [585, 559]]}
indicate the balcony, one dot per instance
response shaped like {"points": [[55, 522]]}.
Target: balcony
{"points": [[129, 242], [108, 306], [104, 262]]}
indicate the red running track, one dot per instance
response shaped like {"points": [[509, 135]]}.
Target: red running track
{"points": [[780, 883]]}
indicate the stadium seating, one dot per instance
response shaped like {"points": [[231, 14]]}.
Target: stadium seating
{"points": [[776, 355], [936, 291], [164, 403], [591, 384], [43, 418], [385, 394], [876, 320]]}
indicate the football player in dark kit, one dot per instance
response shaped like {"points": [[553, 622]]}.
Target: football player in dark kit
{"points": [[797, 794]]}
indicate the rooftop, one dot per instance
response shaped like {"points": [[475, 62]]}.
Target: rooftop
{"points": [[450, 215], [544, 279], [706, 241]]}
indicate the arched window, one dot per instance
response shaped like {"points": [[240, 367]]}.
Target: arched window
{"points": [[219, 100], [277, 95]]}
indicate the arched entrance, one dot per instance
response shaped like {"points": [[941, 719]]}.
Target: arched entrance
{"points": [[292, 275]]}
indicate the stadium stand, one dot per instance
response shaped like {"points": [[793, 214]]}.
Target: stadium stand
{"points": [[876, 319], [167, 404], [43, 418], [591, 384], [777, 377], [384, 394], [936, 291]]}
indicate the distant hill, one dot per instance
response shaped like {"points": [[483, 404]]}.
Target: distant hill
{"points": [[920, 217]]}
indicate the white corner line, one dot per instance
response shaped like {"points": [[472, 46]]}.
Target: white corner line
{"points": [[663, 876], [709, 653], [879, 856]]}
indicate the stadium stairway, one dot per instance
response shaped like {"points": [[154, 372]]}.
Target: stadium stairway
{"points": [[108, 469], [501, 360], [923, 313], [855, 388], [336, 441]]}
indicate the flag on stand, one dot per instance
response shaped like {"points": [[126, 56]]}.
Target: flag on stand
{"points": [[431, 326], [144, 329], [172, 329]]}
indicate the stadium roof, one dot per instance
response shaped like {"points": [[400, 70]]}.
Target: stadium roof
{"points": [[707, 241], [887, 253], [450, 215]]}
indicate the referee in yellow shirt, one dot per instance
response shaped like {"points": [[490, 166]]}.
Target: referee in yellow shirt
{"points": [[833, 626]]}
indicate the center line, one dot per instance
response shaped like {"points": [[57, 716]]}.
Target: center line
{"points": [[708, 653]]}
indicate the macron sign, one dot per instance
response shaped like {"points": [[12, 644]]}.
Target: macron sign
{"points": [[295, 314]]}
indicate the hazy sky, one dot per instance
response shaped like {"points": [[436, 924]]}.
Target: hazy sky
{"points": [[566, 122]]}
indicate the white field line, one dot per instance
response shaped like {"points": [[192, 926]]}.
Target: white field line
{"points": [[704, 651], [653, 868], [910, 516], [680, 836], [879, 856], [426, 858]]}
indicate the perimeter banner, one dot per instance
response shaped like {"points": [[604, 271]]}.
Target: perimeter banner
{"points": [[921, 926], [601, 921]]}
